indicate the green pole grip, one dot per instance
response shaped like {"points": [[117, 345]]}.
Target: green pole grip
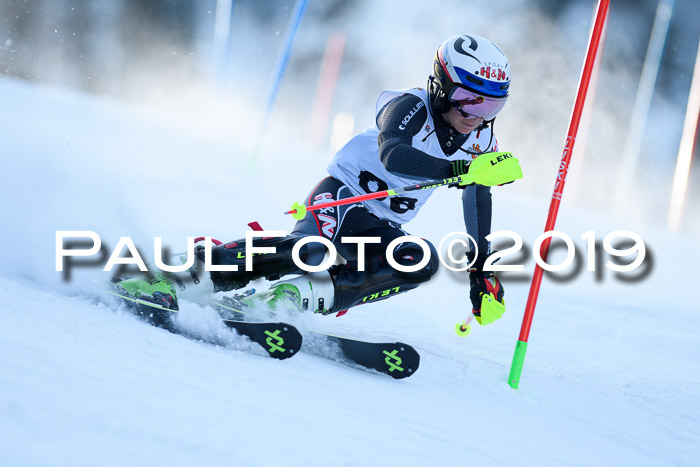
{"points": [[516, 368]]}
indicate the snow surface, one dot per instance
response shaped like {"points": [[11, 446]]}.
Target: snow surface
{"points": [[611, 375]]}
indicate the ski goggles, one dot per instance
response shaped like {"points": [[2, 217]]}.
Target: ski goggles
{"points": [[472, 105]]}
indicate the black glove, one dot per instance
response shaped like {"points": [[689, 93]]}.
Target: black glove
{"points": [[459, 167], [483, 282]]}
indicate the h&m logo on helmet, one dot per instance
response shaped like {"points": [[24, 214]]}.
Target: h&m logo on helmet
{"points": [[497, 73]]}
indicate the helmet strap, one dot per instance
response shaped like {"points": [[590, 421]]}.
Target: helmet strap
{"points": [[485, 124], [438, 104], [481, 127]]}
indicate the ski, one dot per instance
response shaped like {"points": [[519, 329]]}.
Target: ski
{"points": [[280, 340], [395, 359]]}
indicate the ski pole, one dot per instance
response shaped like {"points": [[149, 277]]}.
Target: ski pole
{"points": [[299, 210], [493, 168], [516, 367]]}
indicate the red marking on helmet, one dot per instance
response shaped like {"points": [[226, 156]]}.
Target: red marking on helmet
{"points": [[441, 59]]}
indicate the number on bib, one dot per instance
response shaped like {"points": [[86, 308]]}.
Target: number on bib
{"points": [[372, 184]]}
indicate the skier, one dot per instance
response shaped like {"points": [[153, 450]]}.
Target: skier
{"points": [[420, 134]]}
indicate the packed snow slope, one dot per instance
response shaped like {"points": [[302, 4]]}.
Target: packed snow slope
{"points": [[611, 375]]}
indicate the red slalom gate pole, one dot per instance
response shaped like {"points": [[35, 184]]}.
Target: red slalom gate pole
{"points": [[521, 347]]}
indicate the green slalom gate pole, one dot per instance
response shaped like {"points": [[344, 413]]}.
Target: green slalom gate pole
{"points": [[516, 367], [489, 169]]}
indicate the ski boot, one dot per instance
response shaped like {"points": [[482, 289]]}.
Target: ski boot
{"points": [[153, 298], [311, 292]]}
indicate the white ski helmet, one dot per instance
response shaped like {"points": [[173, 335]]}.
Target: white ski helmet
{"points": [[472, 75]]}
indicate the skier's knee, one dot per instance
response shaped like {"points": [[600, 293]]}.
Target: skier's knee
{"points": [[353, 287], [410, 254]]}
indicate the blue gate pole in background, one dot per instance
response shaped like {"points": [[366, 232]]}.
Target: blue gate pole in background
{"points": [[280, 66]]}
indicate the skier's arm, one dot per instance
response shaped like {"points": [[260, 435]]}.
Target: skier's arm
{"points": [[477, 217], [476, 202], [397, 127]]}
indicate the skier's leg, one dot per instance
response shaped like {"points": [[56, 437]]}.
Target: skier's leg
{"points": [[196, 284], [271, 266], [275, 265], [344, 286], [380, 280], [315, 291]]}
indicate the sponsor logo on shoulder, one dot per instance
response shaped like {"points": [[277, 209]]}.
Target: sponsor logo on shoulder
{"points": [[410, 115]]}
